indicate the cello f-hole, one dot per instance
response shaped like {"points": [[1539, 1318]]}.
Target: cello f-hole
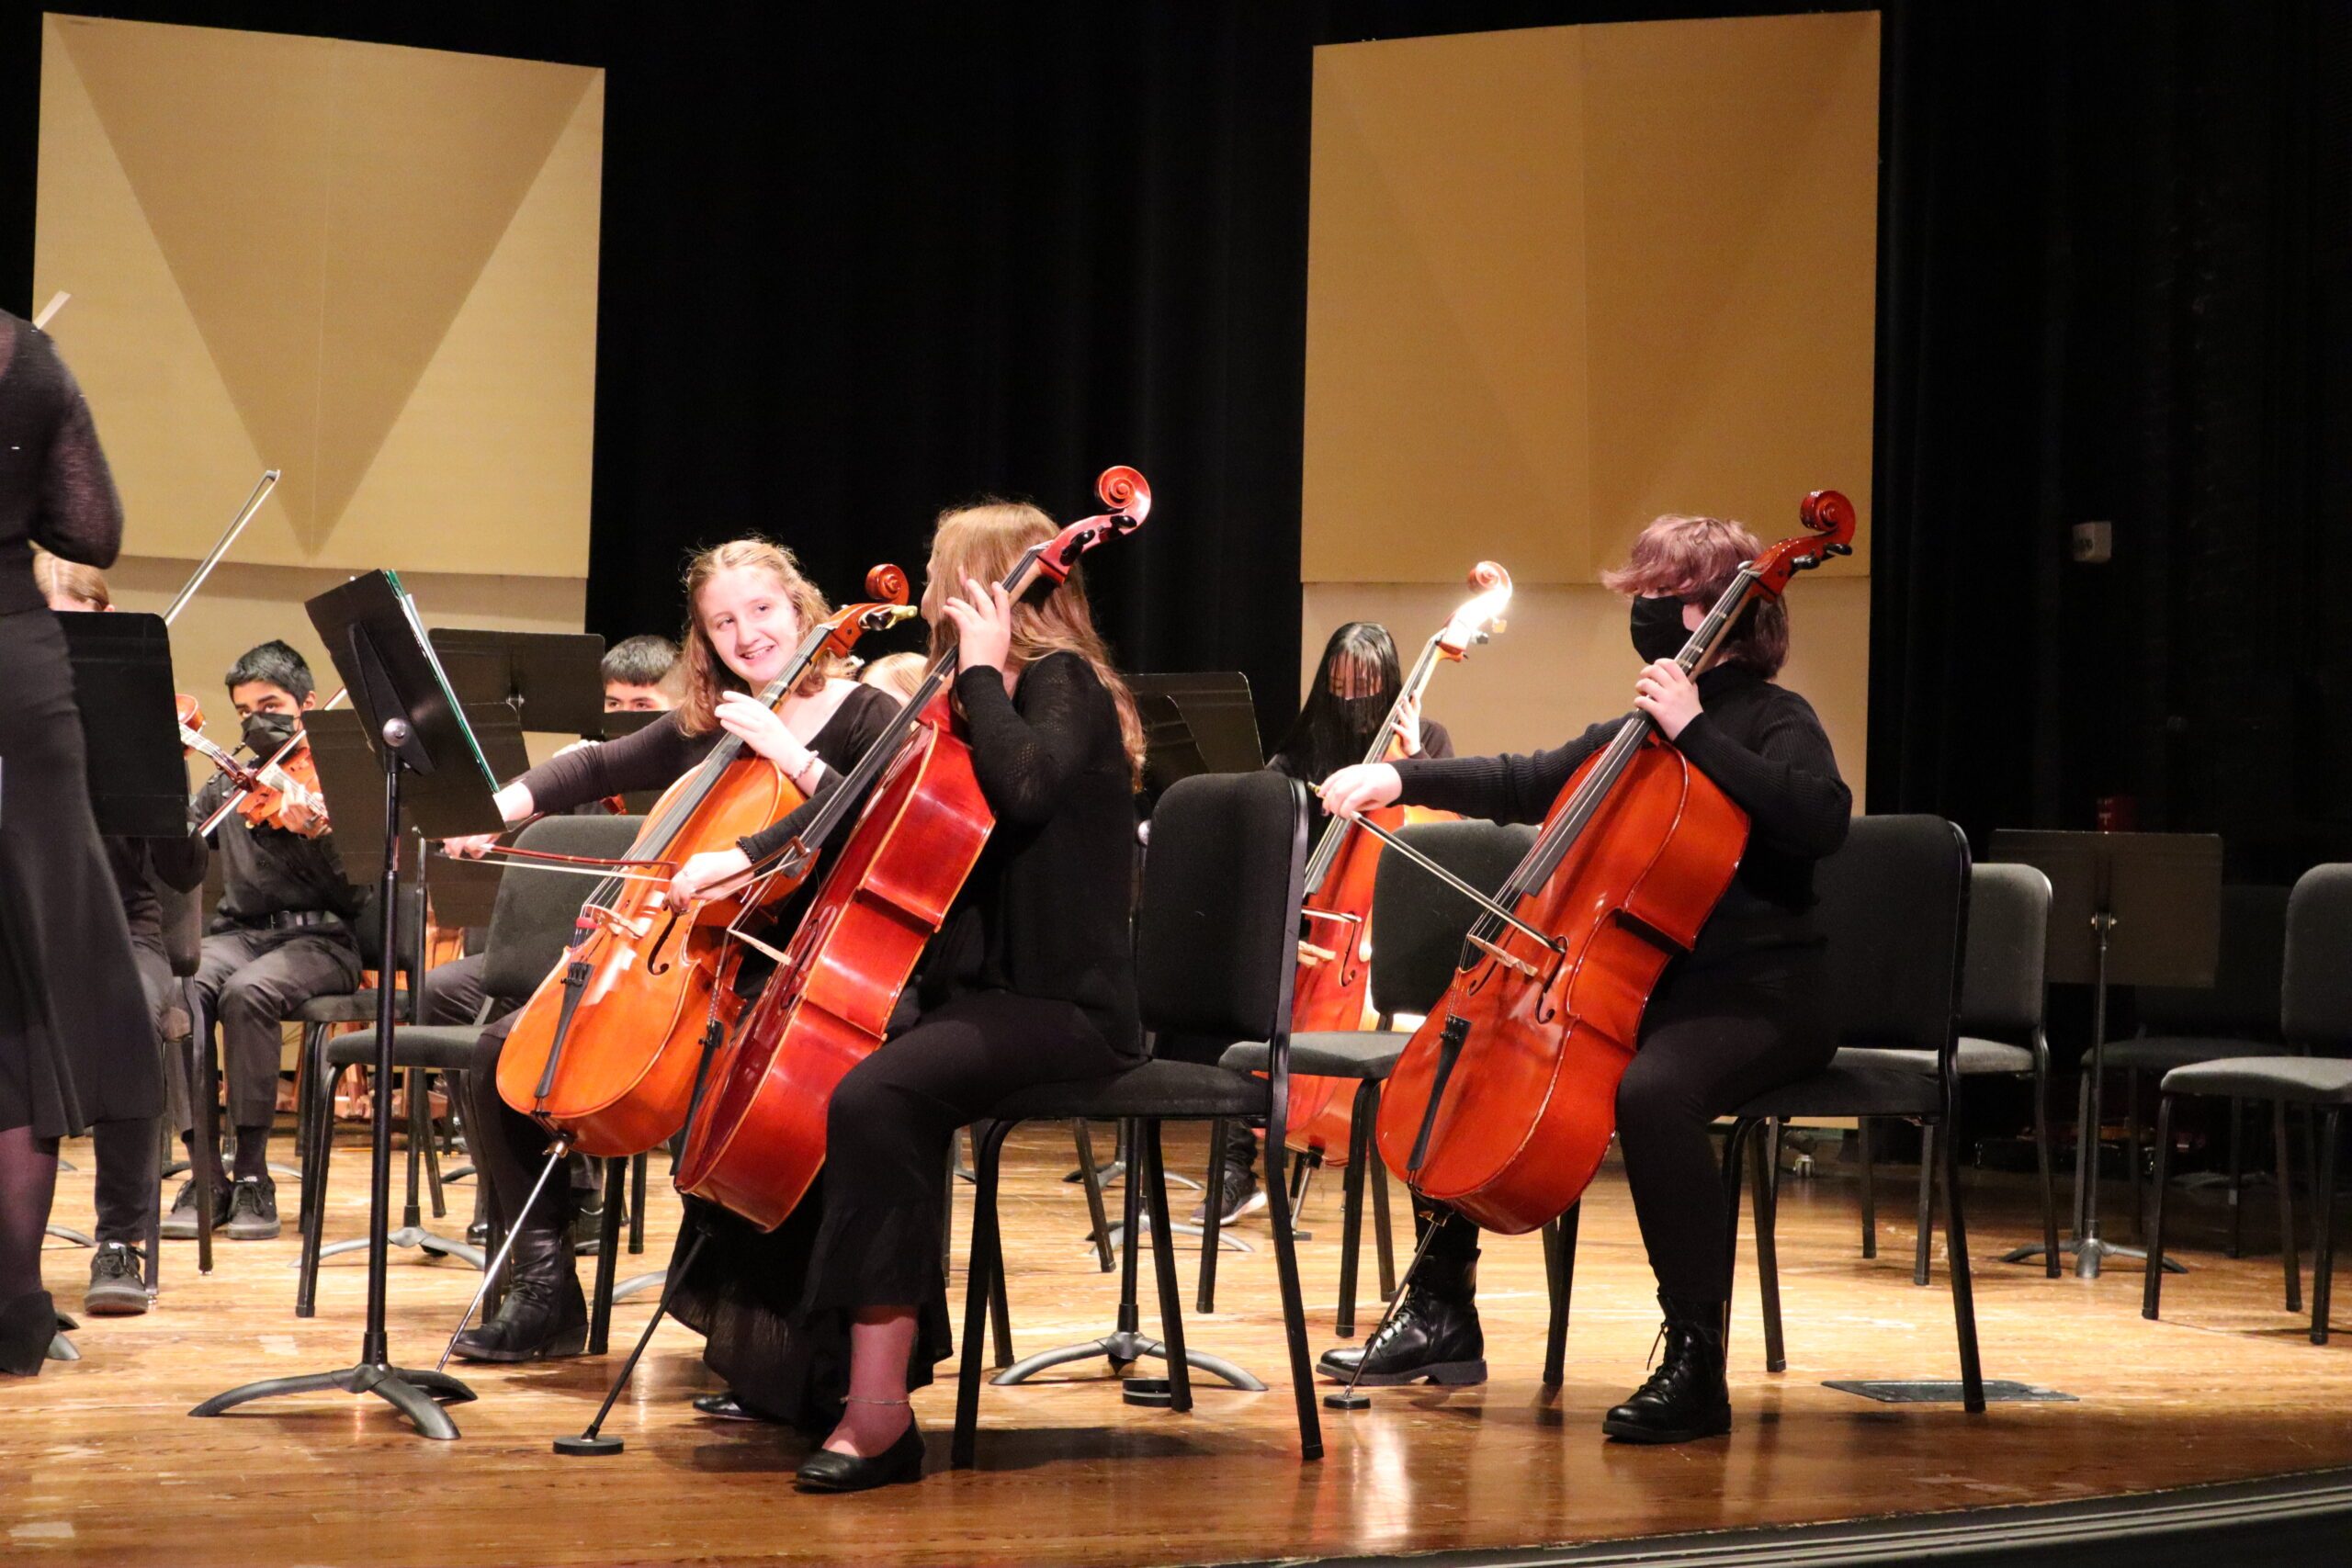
{"points": [[654, 963]]}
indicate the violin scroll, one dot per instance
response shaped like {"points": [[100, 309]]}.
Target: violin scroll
{"points": [[888, 584]]}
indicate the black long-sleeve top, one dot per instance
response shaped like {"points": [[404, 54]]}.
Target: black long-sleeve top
{"points": [[662, 753], [1761, 744], [140, 863], [271, 870], [55, 489], [1045, 910]]}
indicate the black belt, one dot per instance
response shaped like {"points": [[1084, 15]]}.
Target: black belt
{"points": [[285, 919]]}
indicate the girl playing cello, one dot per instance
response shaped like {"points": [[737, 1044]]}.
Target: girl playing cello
{"points": [[1028, 981], [749, 607], [1735, 1017]]}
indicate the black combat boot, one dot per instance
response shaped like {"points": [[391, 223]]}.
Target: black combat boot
{"points": [[543, 1316], [1686, 1398], [1434, 1334]]}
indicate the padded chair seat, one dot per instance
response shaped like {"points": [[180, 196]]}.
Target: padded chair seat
{"points": [[352, 1006], [442, 1048], [1983, 1057], [1333, 1054], [2299, 1080], [1154, 1089], [2162, 1053], [1858, 1082]]}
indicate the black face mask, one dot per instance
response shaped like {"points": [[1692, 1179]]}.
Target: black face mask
{"points": [[1365, 713], [266, 732], [1658, 631]]}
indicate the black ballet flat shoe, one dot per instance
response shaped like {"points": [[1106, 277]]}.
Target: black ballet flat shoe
{"points": [[726, 1407], [826, 1471], [1686, 1398]]}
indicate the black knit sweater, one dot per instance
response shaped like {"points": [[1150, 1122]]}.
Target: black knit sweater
{"points": [[1760, 743]]}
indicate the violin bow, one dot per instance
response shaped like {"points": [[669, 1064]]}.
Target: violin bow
{"points": [[228, 536], [56, 303]]}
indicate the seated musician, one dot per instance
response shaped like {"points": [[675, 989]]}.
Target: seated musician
{"points": [[640, 676], [1736, 1016], [897, 673], [126, 1194], [1355, 684], [280, 936], [827, 1321], [750, 606]]}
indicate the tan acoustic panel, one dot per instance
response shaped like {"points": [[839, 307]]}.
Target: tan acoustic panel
{"points": [[1562, 279], [372, 267]]}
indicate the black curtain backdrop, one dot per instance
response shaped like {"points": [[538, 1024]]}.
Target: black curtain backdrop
{"points": [[860, 264]]}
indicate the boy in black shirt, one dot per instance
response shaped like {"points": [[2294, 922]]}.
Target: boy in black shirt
{"points": [[280, 936]]}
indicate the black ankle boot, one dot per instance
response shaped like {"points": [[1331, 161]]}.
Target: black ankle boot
{"points": [[1434, 1334], [27, 1324], [543, 1316], [1686, 1398]]}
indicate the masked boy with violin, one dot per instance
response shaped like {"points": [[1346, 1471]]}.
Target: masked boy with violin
{"points": [[1735, 1017], [280, 935]]}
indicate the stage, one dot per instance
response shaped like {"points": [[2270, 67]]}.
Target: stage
{"points": [[107, 1467]]}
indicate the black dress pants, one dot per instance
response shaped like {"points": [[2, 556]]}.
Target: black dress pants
{"points": [[1715, 1037]]}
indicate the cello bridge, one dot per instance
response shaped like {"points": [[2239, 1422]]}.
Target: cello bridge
{"points": [[1509, 959]]}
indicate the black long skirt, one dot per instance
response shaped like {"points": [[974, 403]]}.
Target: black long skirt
{"points": [[76, 1044]]}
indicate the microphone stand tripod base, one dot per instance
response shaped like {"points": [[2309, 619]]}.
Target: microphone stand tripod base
{"points": [[415, 1393]]}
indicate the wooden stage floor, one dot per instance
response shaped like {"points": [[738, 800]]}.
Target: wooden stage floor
{"points": [[99, 1463]]}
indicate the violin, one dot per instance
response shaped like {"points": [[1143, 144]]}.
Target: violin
{"points": [[759, 1136], [1330, 992], [264, 792], [604, 1053], [1504, 1101]]}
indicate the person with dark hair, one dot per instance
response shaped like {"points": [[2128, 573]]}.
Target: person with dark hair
{"points": [[280, 936], [1356, 683], [1736, 1016], [638, 674], [144, 869], [76, 1044]]}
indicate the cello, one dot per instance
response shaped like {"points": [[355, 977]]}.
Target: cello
{"points": [[758, 1136], [605, 1052], [1504, 1101], [1335, 959]]}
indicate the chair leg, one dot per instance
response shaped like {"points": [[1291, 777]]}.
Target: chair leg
{"points": [[1383, 1239], [1163, 1265], [2236, 1247], [636, 1203], [1768, 1255], [306, 1131], [1213, 1211], [1302, 1375], [1561, 1255], [2131, 1152], [2152, 1288], [420, 1132], [1090, 1180], [609, 1258], [2042, 1160], [1732, 1148], [1862, 1130], [2289, 1256], [319, 1107], [987, 1141], [1351, 1214], [1963, 1287], [1927, 1203], [2324, 1224]]}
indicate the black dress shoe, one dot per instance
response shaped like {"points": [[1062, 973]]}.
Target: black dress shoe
{"points": [[1434, 1335], [826, 1471], [726, 1407], [116, 1289], [539, 1320], [1686, 1398]]}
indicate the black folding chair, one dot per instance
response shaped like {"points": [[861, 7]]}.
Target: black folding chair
{"points": [[2315, 1016], [1894, 906], [1215, 948]]}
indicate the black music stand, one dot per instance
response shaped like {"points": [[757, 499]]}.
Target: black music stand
{"points": [[549, 679], [1195, 723], [371, 631], [2126, 910], [351, 777], [122, 684]]}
